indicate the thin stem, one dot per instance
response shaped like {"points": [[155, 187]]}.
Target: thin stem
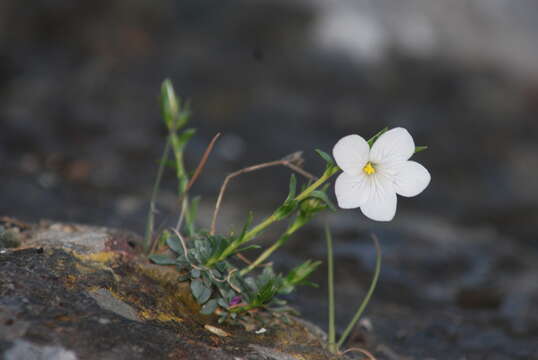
{"points": [[362, 306], [265, 255], [326, 175], [288, 161], [183, 198], [264, 224], [330, 281], [272, 218], [183, 212], [281, 241], [152, 208], [362, 351], [200, 166]]}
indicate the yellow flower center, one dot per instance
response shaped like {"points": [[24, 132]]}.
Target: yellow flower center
{"points": [[368, 168]]}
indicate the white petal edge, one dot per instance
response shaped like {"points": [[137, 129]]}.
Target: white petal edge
{"points": [[411, 179], [351, 154], [351, 191], [382, 201], [393, 146]]}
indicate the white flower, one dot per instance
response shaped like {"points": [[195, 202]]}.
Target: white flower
{"points": [[372, 177]]}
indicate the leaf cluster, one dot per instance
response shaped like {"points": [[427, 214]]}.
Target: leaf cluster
{"points": [[218, 286]]}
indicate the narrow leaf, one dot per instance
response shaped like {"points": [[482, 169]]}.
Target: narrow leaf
{"points": [[293, 187], [321, 195], [245, 228], [328, 158], [184, 138], [249, 247], [373, 139], [420, 148], [170, 105], [162, 259]]}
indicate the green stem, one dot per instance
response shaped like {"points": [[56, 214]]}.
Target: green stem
{"points": [[330, 281], [271, 219], [326, 175], [180, 168], [281, 241], [151, 214], [303, 195], [362, 306]]}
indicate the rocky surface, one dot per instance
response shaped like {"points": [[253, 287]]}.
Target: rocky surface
{"points": [[72, 292]]}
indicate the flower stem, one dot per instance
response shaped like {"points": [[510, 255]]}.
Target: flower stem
{"points": [[272, 218], [362, 306], [281, 241], [330, 281], [326, 175], [303, 195]]}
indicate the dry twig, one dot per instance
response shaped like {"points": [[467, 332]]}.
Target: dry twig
{"points": [[362, 351], [292, 161], [197, 173]]}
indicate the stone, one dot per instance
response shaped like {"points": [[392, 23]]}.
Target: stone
{"points": [[79, 292]]}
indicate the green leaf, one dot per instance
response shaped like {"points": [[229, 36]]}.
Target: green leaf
{"points": [[195, 273], [298, 275], [420, 148], [209, 307], [290, 204], [249, 247], [293, 188], [162, 259], [373, 139], [328, 158], [322, 195], [174, 243], [183, 139], [200, 292], [184, 114], [197, 287], [245, 227], [169, 104], [206, 294]]}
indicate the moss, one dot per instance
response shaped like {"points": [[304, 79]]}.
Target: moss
{"points": [[8, 238]]}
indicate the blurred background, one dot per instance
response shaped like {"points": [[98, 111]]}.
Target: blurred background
{"points": [[81, 135]]}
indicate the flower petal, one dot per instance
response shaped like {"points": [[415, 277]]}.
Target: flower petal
{"points": [[351, 154], [351, 191], [411, 179], [394, 145], [381, 203]]}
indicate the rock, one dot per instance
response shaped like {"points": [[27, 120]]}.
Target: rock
{"points": [[26, 350], [79, 292]]}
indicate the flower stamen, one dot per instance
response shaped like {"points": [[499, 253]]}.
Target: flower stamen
{"points": [[368, 168]]}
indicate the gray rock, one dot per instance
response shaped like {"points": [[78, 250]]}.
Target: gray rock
{"points": [[25, 350]]}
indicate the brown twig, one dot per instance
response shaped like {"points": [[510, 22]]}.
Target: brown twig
{"points": [[202, 163], [362, 351], [289, 161], [195, 176]]}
